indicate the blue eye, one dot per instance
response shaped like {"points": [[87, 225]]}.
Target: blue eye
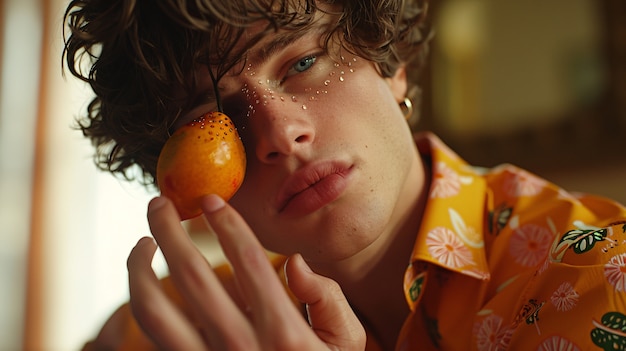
{"points": [[304, 64]]}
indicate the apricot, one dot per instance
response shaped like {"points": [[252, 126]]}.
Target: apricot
{"points": [[205, 156]]}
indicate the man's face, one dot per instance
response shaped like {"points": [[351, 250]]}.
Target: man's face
{"points": [[329, 151]]}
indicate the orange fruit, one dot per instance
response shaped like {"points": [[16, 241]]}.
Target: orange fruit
{"points": [[205, 156]]}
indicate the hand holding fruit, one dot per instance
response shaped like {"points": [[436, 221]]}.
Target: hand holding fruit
{"points": [[206, 156], [251, 311]]}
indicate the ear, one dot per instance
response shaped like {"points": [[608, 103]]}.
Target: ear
{"points": [[398, 84]]}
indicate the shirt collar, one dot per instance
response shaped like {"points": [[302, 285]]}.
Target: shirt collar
{"points": [[451, 232]]}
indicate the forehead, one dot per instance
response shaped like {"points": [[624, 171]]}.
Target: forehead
{"points": [[250, 46], [258, 39]]}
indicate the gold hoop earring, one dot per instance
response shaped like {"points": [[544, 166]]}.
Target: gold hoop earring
{"points": [[407, 108]]}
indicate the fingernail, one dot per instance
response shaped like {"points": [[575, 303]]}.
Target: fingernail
{"points": [[156, 203], [212, 203]]}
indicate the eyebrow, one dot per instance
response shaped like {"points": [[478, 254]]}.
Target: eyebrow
{"points": [[277, 44], [260, 56]]}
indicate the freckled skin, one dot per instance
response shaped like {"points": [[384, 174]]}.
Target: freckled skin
{"points": [[205, 156], [356, 106], [335, 123]]}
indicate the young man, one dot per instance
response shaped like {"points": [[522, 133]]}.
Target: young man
{"points": [[388, 241]]}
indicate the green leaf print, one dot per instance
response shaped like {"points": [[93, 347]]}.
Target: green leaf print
{"points": [[583, 240], [416, 288], [611, 333]]}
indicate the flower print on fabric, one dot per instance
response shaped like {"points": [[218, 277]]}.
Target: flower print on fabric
{"points": [[557, 343], [530, 244], [448, 249], [492, 334], [565, 297], [615, 272], [446, 181], [522, 183]]}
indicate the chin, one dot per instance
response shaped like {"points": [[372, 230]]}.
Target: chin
{"points": [[346, 234]]}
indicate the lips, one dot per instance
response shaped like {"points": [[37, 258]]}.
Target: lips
{"points": [[312, 187]]}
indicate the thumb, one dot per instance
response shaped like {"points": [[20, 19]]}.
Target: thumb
{"points": [[330, 315]]}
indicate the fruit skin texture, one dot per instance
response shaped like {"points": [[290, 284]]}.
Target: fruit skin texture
{"points": [[205, 156]]}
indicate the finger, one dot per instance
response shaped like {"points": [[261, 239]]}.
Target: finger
{"points": [[256, 276], [154, 312], [277, 320], [224, 325], [330, 315]]}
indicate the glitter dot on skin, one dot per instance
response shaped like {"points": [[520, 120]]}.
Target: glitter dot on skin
{"points": [[259, 92]]}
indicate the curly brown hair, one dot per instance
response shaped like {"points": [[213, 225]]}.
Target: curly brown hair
{"points": [[138, 57]]}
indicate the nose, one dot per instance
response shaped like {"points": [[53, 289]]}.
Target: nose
{"points": [[281, 130]]}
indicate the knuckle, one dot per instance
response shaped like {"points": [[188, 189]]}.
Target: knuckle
{"points": [[190, 271], [253, 256], [332, 287], [356, 336]]}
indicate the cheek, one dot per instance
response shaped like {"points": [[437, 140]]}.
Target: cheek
{"points": [[362, 98], [357, 82]]}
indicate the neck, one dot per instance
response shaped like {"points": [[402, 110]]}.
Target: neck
{"points": [[379, 270]]}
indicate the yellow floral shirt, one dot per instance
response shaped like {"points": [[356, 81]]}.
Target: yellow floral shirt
{"points": [[505, 260]]}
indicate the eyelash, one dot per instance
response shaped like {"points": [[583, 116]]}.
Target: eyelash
{"points": [[310, 59], [293, 70]]}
